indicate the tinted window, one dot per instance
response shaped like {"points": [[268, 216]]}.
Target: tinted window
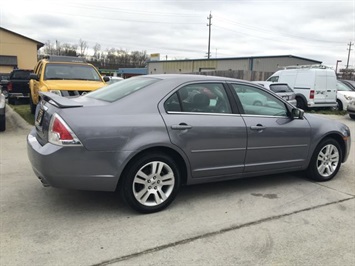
{"points": [[258, 102], [199, 98], [280, 88], [121, 89], [20, 75]]}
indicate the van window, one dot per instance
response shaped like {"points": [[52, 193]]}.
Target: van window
{"points": [[273, 79]]}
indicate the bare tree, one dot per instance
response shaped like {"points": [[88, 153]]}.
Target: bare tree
{"points": [[97, 48], [83, 46]]}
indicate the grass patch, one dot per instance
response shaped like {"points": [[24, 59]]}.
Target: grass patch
{"points": [[327, 111], [25, 112]]}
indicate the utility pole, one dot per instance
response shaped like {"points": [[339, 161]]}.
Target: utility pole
{"points": [[209, 35], [347, 63]]}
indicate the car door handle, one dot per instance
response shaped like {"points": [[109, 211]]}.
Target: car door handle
{"points": [[257, 127], [181, 126]]}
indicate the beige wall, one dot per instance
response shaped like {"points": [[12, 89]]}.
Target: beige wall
{"points": [[267, 64], [14, 45]]}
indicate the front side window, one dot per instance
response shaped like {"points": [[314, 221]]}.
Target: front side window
{"points": [[199, 98], [255, 101]]}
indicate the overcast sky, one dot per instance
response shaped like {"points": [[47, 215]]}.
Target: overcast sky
{"points": [[315, 29]]}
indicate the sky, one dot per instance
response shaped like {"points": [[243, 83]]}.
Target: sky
{"points": [[177, 29]]}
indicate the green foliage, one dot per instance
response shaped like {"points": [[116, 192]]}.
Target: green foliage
{"points": [[24, 111], [327, 111]]}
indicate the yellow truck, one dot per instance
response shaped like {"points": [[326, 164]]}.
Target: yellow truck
{"points": [[65, 76]]}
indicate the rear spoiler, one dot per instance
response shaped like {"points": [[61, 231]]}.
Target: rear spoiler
{"points": [[59, 101]]}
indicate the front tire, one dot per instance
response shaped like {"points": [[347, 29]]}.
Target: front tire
{"points": [[339, 105], [151, 183], [326, 161]]}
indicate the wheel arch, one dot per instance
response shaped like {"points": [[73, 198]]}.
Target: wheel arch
{"points": [[338, 138], [176, 156]]}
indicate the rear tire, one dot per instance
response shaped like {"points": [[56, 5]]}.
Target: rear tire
{"points": [[150, 183], [326, 161], [11, 101], [2, 123], [301, 103]]}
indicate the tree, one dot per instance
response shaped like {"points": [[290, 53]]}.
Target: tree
{"points": [[97, 48], [83, 46]]}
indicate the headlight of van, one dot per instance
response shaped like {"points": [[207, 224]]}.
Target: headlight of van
{"points": [[58, 92]]}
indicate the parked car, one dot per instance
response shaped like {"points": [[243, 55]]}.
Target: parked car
{"points": [[2, 112], [65, 76], [351, 109], [147, 135], [281, 89], [16, 86], [314, 85], [345, 94], [3, 81], [113, 80], [349, 83]]}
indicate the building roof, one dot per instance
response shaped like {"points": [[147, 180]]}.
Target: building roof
{"points": [[39, 44], [239, 58]]}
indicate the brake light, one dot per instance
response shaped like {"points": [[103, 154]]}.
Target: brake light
{"points": [[311, 94], [9, 86], [59, 132]]}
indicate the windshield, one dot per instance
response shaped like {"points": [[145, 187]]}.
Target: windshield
{"points": [[121, 89], [71, 72], [342, 87], [280, 88]]}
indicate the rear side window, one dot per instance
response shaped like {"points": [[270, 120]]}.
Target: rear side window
{"points": [[199, 98], [277, 88], [121, 89]]}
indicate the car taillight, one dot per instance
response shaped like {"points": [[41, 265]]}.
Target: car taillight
{"points": [[9, 86], [59, 133], [311, 94]]}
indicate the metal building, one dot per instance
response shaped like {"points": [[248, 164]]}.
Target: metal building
{"points": [[254, 63]]}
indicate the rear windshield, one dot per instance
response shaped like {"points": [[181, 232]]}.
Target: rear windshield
{"points": [[20, 74], [71, 72], [121, 89], [277, 88]]}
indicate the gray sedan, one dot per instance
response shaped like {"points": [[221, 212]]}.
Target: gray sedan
{"points": [[146, 136]]}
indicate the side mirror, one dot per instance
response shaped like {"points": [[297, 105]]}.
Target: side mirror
{"points": [[34, 76], [297, 113], [106, 78]]}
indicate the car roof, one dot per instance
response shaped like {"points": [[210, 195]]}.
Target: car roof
{"points": [[191, 77]]}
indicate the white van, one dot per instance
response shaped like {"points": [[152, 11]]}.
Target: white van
{"points": [[314, 85]]}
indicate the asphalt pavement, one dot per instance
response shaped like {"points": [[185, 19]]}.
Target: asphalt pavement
{"points": [[271, 220]]}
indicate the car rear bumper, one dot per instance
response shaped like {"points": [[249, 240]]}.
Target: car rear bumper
{"points": [[72, 167]]}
